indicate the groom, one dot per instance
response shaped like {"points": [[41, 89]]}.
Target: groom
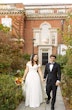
{"points": [[53, 74]]}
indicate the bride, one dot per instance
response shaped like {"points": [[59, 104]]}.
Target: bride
{"points": [[33, 78]]}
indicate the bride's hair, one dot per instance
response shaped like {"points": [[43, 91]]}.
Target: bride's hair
{"points": [[32, 61]]}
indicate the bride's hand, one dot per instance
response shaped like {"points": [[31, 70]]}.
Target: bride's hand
{"points": [[22, 79], [42, 80]]}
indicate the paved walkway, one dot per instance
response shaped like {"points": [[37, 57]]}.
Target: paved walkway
{"points": [[59, 105]]}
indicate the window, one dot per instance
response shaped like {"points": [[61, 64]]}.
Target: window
{"points": [[7, 22], [45, 34], [61, 11], [53, 39], [30, 11], [46, 11], [36, 36]]}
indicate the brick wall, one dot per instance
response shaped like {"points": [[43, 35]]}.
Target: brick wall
{"points": [[25, 27], [29, 25]]}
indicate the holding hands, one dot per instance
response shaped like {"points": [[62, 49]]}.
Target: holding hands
{"points": [[57, 83]]}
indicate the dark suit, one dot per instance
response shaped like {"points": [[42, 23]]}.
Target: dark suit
{"points": [[52, 77]]}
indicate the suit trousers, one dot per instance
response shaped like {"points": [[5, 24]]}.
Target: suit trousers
{"points": [[51, 87]]}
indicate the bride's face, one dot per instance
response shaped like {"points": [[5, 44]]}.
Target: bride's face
{"points": [[35, 58]]}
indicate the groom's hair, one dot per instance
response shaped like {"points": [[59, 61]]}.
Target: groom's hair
{"points": [[53, 56]]}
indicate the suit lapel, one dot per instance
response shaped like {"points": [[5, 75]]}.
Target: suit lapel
{"points": [[49, 66], [53, 66]]}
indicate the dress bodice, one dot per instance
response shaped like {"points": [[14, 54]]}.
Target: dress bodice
{"points": [[34, 67]]}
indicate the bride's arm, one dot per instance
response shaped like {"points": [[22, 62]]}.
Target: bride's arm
{"points": [[25, 72], [40, 73]]}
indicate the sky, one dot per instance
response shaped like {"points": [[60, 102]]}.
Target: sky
{"points": [[37, 1]]}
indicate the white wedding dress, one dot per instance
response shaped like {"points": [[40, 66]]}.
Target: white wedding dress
{"points": [[33, 88]]}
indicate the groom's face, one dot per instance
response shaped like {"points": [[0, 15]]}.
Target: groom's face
{"points": [[52, 59]]}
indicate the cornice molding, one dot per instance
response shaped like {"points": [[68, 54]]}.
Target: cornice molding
{"points": [[45, 16], [10, 11]]}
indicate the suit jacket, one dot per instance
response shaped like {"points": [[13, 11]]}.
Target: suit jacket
{"points": [[54, 75]]}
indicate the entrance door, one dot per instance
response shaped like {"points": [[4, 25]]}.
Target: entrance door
{"points": [[44, 58]]}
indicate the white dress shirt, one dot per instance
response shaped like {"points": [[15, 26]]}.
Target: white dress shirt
{"points": [[51, 67]]}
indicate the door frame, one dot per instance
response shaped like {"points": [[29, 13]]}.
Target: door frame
{"points": [[42, 49]]}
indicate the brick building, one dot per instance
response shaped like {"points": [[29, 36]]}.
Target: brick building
{"points": [[37, 26]]}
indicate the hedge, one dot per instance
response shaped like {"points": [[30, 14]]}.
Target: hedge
{"points": [[10, 93]]}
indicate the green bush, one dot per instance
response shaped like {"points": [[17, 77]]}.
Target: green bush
{"points": [[68, 66], [26, 57], [12, 57], [5, 63], [67, 77], [68, 70], [62, 60], [17, 63], [10, 93], [66, 85]]}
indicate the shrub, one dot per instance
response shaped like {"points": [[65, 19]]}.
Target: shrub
{"points": [[26, 57], [10, 93], [62, 60]]}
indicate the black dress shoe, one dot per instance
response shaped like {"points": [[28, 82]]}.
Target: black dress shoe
{"points": [[47, 102], [52, 108]]}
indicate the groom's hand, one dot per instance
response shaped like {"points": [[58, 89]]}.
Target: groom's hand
{"points": [[57, 83]]}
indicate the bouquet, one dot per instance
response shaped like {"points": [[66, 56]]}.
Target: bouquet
{"points": [[18, 81]]}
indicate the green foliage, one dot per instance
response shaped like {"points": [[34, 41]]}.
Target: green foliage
{"points": [[68, 70], [11, 58], [67, 38], [69, 53], [17, 63], [67, 66], [26, 56], [62, 60], [1, 26], [66, 86], [5, 63], [10, 93], [67, 34], [4, 28]]}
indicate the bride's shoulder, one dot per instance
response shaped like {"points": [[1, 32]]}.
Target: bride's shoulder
{"points": [[39, 65], [28, 63]]}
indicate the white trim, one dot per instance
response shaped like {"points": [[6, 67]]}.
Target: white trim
{"points": [[48, 6], [45, 23], [41, 49]]}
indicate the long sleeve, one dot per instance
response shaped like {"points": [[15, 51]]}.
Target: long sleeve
{"points": [[59, 72], [46, 71]]}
